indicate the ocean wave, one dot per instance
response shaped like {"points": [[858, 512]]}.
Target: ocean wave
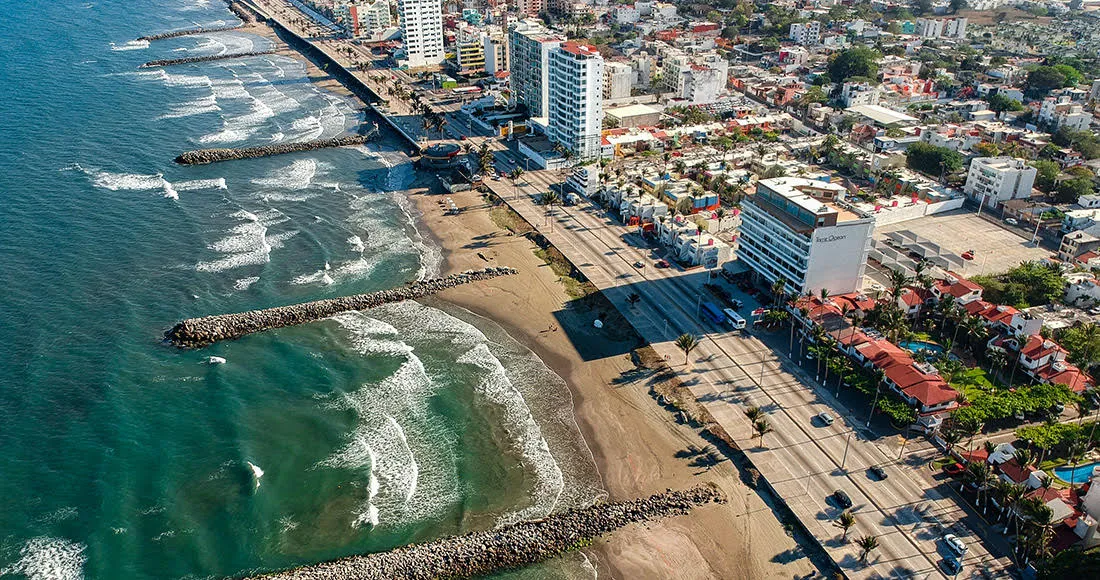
{"points": [[247, 243], [498, 389], [298, 175], [199, 106], [132, 45], [242, 284], [48, 558]]}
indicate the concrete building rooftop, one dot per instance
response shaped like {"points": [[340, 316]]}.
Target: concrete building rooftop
{"points": [[882, 115]]}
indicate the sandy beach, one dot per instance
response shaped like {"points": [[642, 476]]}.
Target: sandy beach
{"points": [[637, 444], [634, 440]]}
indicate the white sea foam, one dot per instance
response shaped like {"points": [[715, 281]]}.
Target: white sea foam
{"points": [[356, 244], [257, 473], [498, 389], [247, 243], [199, 106], [142, 182], [215, 360], [196, 184], [47, 558], [243, 284], [132, 45], [298, 175]]}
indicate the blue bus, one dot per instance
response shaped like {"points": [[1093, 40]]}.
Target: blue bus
{"points": [[713, 313]]}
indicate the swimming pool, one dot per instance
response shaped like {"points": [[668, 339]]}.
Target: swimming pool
{"points": [[1080, 475], [922, 345]]}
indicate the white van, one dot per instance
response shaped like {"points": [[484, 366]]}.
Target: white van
{"points": [[734, 319]]}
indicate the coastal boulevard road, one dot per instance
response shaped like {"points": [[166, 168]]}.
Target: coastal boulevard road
{"points": [[802, 459]]}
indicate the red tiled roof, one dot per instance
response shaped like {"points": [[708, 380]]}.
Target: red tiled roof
{"points": [[1038, 347], [1070, 375], [1014, 472], [976, 455], [931, 393], [910, 298]]}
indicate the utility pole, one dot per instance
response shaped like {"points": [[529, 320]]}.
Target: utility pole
{"points": [[844, 459]]}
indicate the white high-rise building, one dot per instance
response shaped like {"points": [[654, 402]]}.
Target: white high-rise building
{"points": [[618, 80], [529, 50], [806, 34], [422, 31], [802, 231], [999, 179], [698, 78], [576, 98]]}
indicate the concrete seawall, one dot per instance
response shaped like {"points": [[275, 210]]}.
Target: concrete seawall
{"points": [[204, 156], [200, 332], [194, 59], [188, 32], [508, 547]]}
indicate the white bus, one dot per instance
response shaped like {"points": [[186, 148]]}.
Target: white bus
{"points": [[734, 319]]}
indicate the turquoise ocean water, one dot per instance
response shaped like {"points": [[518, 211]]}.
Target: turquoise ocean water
{"points": [[123, 458]]}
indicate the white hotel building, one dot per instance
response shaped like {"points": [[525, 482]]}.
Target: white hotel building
{"points": [[421, 31], [530, 44], [801, 230], [576, 98], [995, 180]]}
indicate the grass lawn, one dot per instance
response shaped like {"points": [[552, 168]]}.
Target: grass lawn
{"points": [[972, 381]]}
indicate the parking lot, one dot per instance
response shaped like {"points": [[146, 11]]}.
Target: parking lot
{"points": [[996, 248]]}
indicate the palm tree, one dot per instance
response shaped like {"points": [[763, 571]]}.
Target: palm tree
{"points": [[1021, 342], [633, 299], [867, 544], [779, 290], [824, 295], [898, 281], [1024, 457], [845, 521], [979, 474], [1040, 526], [687, 343], [951, 438], [514, 175], [1009, 500], [550, 198], [754, 413], [762, 427]]}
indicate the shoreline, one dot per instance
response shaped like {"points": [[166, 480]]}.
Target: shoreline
{"points": [[636, 444]]}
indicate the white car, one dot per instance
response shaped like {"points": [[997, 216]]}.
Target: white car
{"points": [[1012, 222], [955, 544], [825, 418]]}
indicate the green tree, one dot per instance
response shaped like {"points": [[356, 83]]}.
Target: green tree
{"points": [[1070, 563], [1047, 175], [867, 544], [1071, 189], [687, 342], [1043, 79], [1073, 76], [1000, 103], [858, 61], [845, 522], [931, 159]]}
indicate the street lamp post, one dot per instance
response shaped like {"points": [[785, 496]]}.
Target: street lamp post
{"points": [[844, 459]]}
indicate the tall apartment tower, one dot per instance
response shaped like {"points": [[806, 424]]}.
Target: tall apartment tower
{"points": [[531, 44], [576, 98], [530, 8], [422, 31]]}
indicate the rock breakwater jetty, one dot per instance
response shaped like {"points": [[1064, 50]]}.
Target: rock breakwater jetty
{"points": [[200, 332], [508, 547], [189, 32], [204, 156], [241, 12], [194, 59]]}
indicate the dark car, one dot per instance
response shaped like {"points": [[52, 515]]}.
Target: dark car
{"points": [[878, 472], [663, 264], [952, 566], [842, 499]]}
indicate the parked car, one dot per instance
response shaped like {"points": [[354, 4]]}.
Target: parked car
{"points": [[842, 499], [954, 469], [662, 264], [952, 566], [878, 472], [955, 544], [968, 255], [825, 418], [639, 265], [1012, 221]]}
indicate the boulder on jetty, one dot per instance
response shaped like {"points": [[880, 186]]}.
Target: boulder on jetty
{"points": [[200, 332], [508, 547], [189, 32], [204, 156], [241, 12], [194, 59]]}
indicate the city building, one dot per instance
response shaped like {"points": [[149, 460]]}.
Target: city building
{"points": [[422, 31], [469, 50], [530, 8], [941, 28], [495, 47], [1061, 111], [530, 44], [806, 33], [999, 179], [697, 78], [365, 19], [576, 98], [802, 231], [618, 80]]}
